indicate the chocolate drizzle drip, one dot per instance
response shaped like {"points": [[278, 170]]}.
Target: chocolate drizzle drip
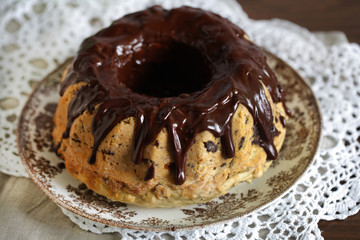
{"points": [[186, 70], [283, 121]]}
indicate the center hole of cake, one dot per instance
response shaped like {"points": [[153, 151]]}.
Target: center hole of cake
{"points": [[168, 70]]}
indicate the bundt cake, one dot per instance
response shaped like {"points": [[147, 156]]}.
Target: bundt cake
{"points": [[167, 108]]}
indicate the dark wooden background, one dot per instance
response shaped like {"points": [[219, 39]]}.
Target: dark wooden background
{"points": [[317, 15]]}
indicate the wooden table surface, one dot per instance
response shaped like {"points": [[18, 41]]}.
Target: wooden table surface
{"points": [[329, 15]]}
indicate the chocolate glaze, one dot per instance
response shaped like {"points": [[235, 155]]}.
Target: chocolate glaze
{"points": [[283, 121], [186, 70]]}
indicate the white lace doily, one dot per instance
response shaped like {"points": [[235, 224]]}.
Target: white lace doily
{"points": [[36, 36]]}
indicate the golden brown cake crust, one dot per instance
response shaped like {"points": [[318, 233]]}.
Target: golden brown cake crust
{"points": [[208, 173]]}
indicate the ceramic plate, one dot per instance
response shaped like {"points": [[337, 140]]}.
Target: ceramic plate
{"points": [[47, 170]]}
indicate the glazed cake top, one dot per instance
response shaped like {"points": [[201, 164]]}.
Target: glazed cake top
{"points": [[185, 69]]}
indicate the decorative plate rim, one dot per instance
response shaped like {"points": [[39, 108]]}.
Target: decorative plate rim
{"points": [[115, 223]]}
